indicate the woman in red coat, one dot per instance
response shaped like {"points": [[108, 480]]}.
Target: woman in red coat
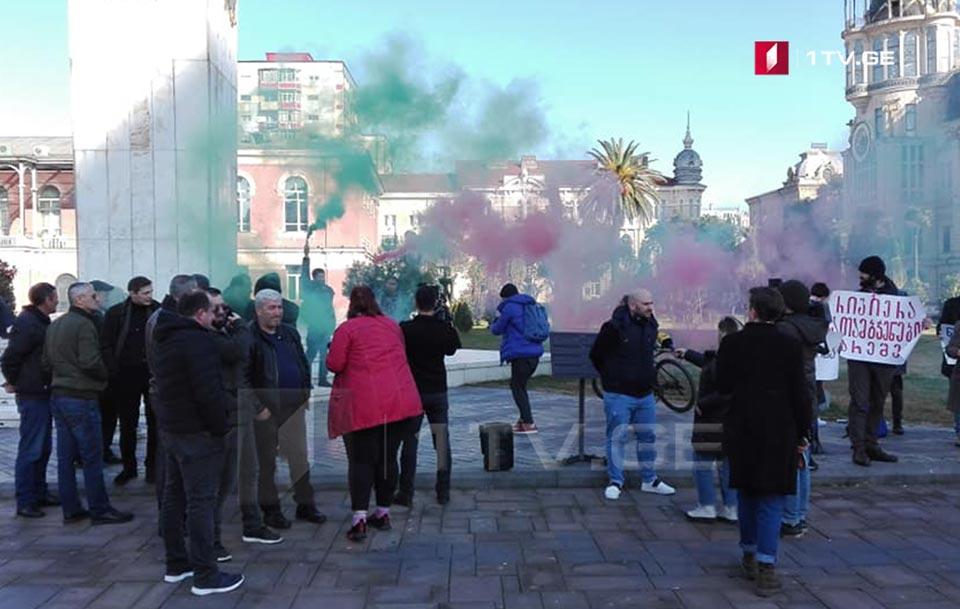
{"points": [[373, 399]]}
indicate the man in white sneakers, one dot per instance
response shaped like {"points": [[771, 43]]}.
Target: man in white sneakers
{"points": [[623, 353]]}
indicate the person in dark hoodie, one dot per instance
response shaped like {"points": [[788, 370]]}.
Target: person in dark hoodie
{"points": [[522, 354], [240, 451], [124, 349], [191, 409], [180, 286], [271, 281], [26, 378], [810, 332], [869, 382], [237, 294], [707, 436], [623, 353]]}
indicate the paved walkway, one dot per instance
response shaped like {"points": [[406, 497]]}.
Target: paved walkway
{"points": [[927, 453], [894, 547]]}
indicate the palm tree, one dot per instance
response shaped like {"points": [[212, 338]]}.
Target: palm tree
{"points": [[635, 195]]}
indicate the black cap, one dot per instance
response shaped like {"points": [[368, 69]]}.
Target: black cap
{"points": [[873, 266], [101, 286]]}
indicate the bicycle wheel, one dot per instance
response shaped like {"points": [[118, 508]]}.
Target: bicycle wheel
{"points": [[675, 386], [596, 388]]}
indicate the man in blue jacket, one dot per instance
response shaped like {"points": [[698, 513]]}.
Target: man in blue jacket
{"points": [[522, 353]]}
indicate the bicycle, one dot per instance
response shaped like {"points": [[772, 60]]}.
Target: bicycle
{"points": [[673, 383]]}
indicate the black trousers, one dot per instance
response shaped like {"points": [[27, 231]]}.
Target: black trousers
{"points": [[372, 462], [192, 476], [287, 437], [869, 385], [121, 401], [520, 372], [896, 398], [437, 408]]}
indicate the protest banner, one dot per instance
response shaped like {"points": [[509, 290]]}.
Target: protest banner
{"points": [[876, 328], [828, 365]]}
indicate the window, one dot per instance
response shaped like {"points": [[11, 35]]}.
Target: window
{"points": [[295, 205], [415, 220], [878, 122], [289, 96], [293, 282], [246, 117], [390, 221], [911, 172], [244, 98], [945, 233], [313, 98], [313, 117], [910, 54], [931, 51], [591, 290], [893, 46], [243, 205], [858, 63], [4, 211], [850, 69], [956, 49], [288, 75], [48, 204], [268, 76], [877, 69], [910, 119]]}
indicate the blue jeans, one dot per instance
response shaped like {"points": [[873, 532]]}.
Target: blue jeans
{"points": [[33, 451], [795, 507], [760, 525], [317, 345], [703, 478], [79, 435], [624, 412]]}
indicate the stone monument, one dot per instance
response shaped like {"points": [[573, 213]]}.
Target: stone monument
{"points": [[154, 97]]}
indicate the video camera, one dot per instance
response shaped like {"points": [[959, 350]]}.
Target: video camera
{"points": [[441, 310]]}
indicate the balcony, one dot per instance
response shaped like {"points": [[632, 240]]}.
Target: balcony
{"points": [[288, 105], [58, 242], [270, 105], [289, 85], [268, 84]]}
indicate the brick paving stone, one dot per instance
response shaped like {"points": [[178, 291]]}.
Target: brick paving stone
{"points": [[564, 600], [630, 599], [120, 595], [523, 600], [24, 596], [847, 599], [466, 589]]}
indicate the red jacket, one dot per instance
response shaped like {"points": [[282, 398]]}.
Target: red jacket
{"points": [[373, 383]]}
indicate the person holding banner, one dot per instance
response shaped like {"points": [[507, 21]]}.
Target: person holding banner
{"points": [[869, 381], [949, 315]]}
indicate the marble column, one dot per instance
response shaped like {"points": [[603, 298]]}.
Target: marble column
{"points": [[153, 96]]}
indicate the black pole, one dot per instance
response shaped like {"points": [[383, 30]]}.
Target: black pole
{"points": [[581, 457]]}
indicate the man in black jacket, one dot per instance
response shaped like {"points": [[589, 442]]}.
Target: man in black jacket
{"points": [[428, 340], [124, 350], [949, 315], [240, 451], [623, 353], [191, 410], [31, 384], [279, 384], [271, 281], [869, 382]]}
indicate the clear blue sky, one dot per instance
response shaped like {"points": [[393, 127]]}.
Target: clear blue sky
{"points": [[629, 69]]}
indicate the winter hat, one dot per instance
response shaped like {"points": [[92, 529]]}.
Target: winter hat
{"points": [[820, 290], [795, 295], [270, 281], [873, 266], [508, 290]]}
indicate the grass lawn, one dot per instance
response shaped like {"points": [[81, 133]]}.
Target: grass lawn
{"points": [[924, 389], [480, 338]]}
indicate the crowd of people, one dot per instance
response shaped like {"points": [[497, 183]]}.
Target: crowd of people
{"points": [[218, 420]]}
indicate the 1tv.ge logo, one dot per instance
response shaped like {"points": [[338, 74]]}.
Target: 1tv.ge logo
{"points": [[772, 58]]}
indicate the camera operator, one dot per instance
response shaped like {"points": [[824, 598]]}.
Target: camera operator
{"points": [[429, 337]]}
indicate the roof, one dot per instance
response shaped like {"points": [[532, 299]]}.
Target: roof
{"points": [[52, 148], [489, 174], [418, 182], [289, 57]]}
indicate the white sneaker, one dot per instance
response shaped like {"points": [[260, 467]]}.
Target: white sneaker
{"points": [[703, 512], [612, 492], [729, 513], [820, 422], [658, 487]]}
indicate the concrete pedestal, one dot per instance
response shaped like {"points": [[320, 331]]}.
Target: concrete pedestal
{"points": [[153, 94]]}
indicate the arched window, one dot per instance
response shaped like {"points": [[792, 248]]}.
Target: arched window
{"points": [[893, 46], [48, 205], [4, 211], [295, 205], [910, 54], [931, 51], [877, 69], [858, 63], [243, 205]]}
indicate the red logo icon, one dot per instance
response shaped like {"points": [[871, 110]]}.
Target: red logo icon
{"points": [[771, 57]]}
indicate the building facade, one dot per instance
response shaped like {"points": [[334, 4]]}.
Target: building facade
{"points": [[904, 148], [38, 217]]}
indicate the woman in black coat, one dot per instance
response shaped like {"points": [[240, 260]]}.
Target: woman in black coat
{"points": [[761, 370]]}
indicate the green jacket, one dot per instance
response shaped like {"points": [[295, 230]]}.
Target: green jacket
{"points": [[72, 353]]}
